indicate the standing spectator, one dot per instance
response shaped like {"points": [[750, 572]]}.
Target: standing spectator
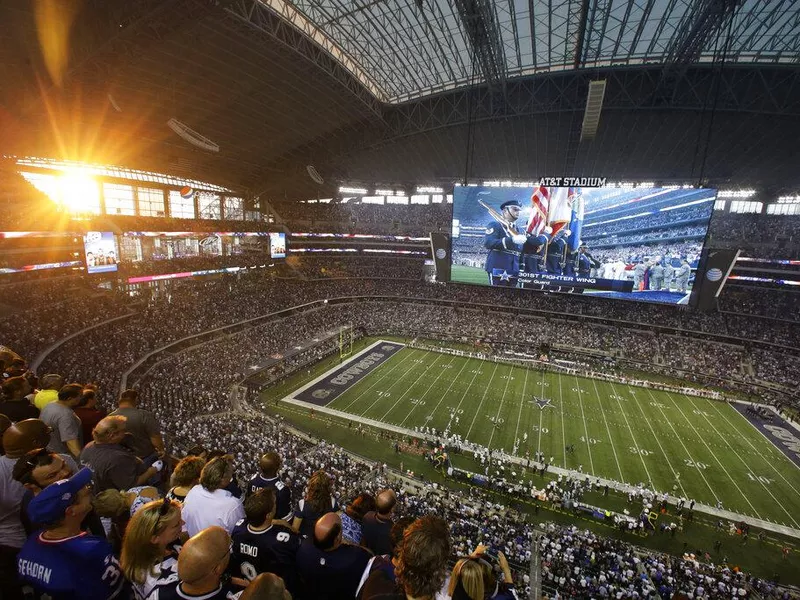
{"points": [[210, 503], [150, 548], [270, 465], [421, 564], [329, 568], [48, 392], [201, 565], [66, 426], [62, 560], [17, 440], [353, 516], [185, 476], [14, 404], [377, 526], [318, 501], [114, 466], [261, 545], [88, 412], [146, 438], [266, 586], [5, 423]]}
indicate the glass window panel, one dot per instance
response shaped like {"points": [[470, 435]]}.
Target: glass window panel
{"points": [[151, 202], [119, 199], [209, 205], [180, 207], [234, 208]]}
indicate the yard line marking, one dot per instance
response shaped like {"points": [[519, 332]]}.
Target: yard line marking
{"points": [[564, 431], [541, 414], [656, 438], [478, 410], [424, 372], [739, 456], [443, 396], [633, 437], [502, 399], [756, 450], [466, 391], [608, 429], [519, 416], [381, 378], [713, 454], [425, 393]]}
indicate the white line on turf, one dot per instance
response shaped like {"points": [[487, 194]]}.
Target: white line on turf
{"points": [[521, 403], [739, 456], [500, 407], [411, 370], [377, 380], [608, 429], [721, 466], [447, 391], [685, 449], [633, 437], [475, 373], [564, 431], [478, 410], [658, 441], [430, 387], [416, 381]]}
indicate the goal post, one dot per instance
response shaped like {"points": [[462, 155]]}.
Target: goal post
{"points": [[346, 341]]}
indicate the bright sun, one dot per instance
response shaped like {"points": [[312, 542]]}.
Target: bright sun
{"points": [[79, 193]]}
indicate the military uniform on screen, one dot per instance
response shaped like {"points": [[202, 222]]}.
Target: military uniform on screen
{"points": [[656, 276], [668, 273], [638, 274], [504, 243], [682, 276], [586, 262], [533, 253], [555, 253]]}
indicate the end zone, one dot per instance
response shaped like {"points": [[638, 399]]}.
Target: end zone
{"points": [[330, 385]]}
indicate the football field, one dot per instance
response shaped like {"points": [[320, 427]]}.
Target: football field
{"points": [[626, 433]]}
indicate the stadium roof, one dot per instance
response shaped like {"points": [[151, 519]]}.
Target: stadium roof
{"points": [[402, 50], [247, 93]]}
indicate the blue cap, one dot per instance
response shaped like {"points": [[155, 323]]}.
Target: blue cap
{"points": [[50, 505], [510, 203]]}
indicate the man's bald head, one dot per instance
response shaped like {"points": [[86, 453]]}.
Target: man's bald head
{"points": [[328, 532], [269, 464], [385, 502], [204, 556], [109, 429]]}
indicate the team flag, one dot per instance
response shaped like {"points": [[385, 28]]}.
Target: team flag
{"points": [[576, 222], [540, 202], [560, 214]]}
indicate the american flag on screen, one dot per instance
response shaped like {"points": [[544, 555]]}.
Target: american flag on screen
{"points": [[540, 201]]}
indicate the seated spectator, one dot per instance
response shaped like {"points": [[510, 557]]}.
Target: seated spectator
{"points": [[62, 560], [88, 412], [270, 465], [48, 390], [319, 500], [185, 476], [377, 525], [201, 565], [114, 466], [210, 503], [14, 404], [329, 568], [353, 515], [66, 426], [145, 439], [261, 545], [150, 549], [421, 565]]}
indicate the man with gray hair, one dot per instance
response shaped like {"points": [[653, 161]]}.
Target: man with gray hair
{"points": [[209, 503], [114, 466]]}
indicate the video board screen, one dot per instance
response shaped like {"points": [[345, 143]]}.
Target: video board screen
{"points": [[639, 243], [277, 245], [101, 252]]}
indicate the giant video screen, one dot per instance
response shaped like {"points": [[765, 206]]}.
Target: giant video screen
{"points": [[277, 245], [640, 243]]}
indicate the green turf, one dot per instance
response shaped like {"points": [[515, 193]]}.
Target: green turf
{"points": [[625, 433], [462, 274]]}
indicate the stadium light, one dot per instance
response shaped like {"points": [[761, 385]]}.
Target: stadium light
{"points": [[789, 199], [352, 190], [430, 190], [736, 193]]}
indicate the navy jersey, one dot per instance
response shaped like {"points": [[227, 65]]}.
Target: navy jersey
{"points": [[273, 550], [79, 567], [331, 575], [503, 252], [224, 591], [283, 495]]}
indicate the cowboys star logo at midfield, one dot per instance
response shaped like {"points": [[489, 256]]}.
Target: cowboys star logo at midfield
{"points": [[542, 402]]}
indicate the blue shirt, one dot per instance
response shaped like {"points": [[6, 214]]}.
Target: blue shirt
{"points": [[82, 567], [283, 495]]}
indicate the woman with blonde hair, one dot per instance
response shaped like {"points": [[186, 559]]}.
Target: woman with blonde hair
{"points": [[150, 548], [473, 579]]}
